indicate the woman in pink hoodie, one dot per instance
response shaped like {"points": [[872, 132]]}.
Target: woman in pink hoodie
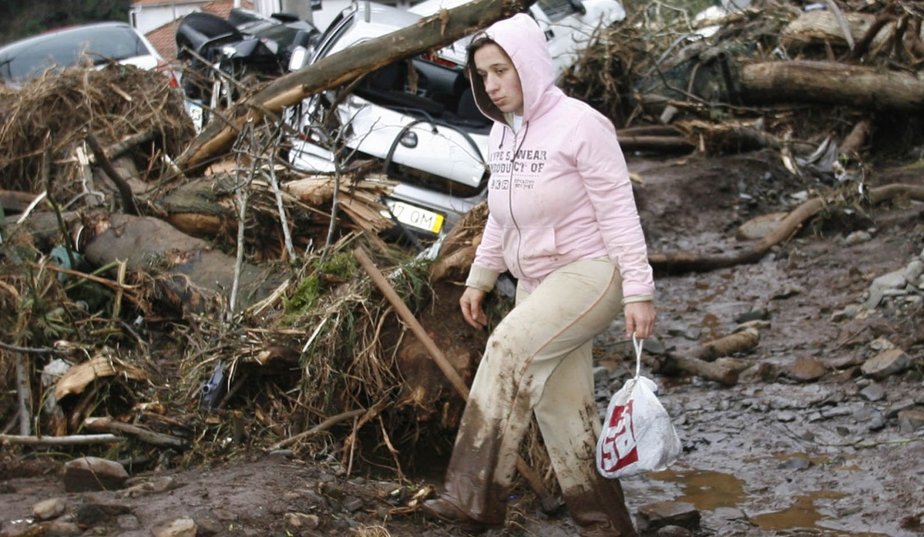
{"points": [[563, 221]]}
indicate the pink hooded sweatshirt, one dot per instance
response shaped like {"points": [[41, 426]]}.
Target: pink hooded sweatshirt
{"points": [[559, 190]]}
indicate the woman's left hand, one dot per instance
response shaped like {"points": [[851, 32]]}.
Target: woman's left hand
{"points": [[640, 319]]}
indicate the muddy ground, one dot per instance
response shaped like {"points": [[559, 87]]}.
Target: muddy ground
{"points": [[771, 455]]}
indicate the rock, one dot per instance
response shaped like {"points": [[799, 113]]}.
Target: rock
{"points": [[674, 531], [601, 375], [911, 420], [806, 369], [128, 522], [151, 486], [898, 407], [759, 372], [914, 270], [22, 530], [877, 289], [857, 237], [888, 362], [302, 520], [657, 515], [849, 312], [874, 392], [881, 344], [49, 509], [353, 504], [759, 227], [181, 527], [208, 523], [91, 514], [753, 315], [873, 419], [61, 528], [93, 473]]}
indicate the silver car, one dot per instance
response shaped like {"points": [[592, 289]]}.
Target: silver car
{"points": [[418, 116]]}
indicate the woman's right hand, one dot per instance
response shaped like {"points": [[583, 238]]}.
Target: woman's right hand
{"points": [[472, 309]]}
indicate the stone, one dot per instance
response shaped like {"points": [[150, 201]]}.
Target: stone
{"points": [[806, 369], [759, 227], [857, 237], [181, 527], [22, 530], [61, 528], [302, 520], [90, 514], [886, 363], [874, 392], [128, 522], [914, 270], [674, 531], [93, 473], [877, 289], [49, 509], [657, 515], [911, 420], [849, 312]]}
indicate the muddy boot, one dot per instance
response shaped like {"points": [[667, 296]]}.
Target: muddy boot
{"points": [[601, 511]]}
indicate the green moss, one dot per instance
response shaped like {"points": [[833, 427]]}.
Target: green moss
{"points": [[317, 283]]}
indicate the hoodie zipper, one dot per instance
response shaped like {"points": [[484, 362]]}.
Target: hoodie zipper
{"points": [[513, 159]]}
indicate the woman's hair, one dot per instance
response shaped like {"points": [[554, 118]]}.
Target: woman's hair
{"points": [[477, 42]]}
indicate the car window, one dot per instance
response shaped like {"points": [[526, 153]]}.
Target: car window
{"points": [[64, 49], [556, 10]]}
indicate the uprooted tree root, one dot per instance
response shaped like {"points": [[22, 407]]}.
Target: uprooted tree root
{"points": [[51, 115]]}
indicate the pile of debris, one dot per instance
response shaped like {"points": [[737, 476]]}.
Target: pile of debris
{"points": [[200, 295]]}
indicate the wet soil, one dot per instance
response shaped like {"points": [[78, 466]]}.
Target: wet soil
{"points": [[771, 455]]}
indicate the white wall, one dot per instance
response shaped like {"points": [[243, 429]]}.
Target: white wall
{"points": [[147, 18]]}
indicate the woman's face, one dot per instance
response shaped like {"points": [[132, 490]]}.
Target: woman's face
{"points": [[501, 81]]}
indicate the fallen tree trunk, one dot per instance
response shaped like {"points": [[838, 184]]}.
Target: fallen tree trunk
{"points": [[831, 83], [192, 276], [429, 33], [693, 262]]}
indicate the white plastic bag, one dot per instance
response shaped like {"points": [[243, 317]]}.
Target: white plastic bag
{"points": [[637, 432]]}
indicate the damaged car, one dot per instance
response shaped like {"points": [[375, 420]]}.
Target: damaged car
{"points": [[417, 116]]}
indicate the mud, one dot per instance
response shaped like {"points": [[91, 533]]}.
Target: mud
{"points": [[771, 455]]}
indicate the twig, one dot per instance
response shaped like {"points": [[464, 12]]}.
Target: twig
{"points": [[29, 350], [243, 194], [283, 220], [125, 191], [145, 435], [319, 428], [24, 393], [72, 440]]}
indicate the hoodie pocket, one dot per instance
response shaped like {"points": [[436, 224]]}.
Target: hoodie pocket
{"points": [[536, 252]]}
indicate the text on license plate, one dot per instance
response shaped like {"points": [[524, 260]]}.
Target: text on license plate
{"points": [[416, 217]]}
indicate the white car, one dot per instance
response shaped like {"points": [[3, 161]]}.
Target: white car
{"points": [[417, 116], [99, 43]]}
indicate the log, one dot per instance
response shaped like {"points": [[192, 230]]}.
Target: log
{"points": [[730, 344], [832, 83], [710, 371], [428, 34], [72, 440], [820, 27], [107, 424], [192, 274], [693, 262]]}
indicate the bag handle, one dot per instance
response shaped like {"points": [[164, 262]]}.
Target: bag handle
{"points": [[637, 344]]}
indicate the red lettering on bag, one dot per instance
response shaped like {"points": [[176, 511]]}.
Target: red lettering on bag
{"points": [[619, 445]]}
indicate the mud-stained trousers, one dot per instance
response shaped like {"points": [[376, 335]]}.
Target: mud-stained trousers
{"points": [[539, 360]]}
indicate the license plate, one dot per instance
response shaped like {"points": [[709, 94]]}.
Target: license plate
{"points": [[415, 217]]}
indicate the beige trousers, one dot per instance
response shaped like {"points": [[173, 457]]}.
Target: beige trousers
{"points": [[538, 360]]}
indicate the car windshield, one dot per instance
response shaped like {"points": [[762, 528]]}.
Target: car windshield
{"points": [[29, 58]]}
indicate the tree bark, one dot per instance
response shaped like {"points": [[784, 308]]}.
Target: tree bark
{"points": [[832, 83], [429, 33]]}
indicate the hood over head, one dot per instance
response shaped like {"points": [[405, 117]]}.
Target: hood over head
{"points": [[522, 40]]}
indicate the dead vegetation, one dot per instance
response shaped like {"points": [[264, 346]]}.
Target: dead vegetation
{"points": [[227, 311]]}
